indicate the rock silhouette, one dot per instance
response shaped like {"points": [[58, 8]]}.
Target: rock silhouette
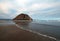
{"points": [[23, 17]]}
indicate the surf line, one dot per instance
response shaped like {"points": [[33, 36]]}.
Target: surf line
{"points": [[35, 32]]}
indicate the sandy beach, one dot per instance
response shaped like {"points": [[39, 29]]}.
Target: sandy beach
{"points": [[10, 32]]}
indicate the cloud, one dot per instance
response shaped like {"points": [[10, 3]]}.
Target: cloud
{"points": [[5, 7], [22, 2], [37, 6], [43, 8]]}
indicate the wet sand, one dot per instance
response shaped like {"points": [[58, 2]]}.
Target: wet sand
{"points": [[10, 32]]}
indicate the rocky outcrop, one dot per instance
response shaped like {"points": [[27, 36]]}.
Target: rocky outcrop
{"points": [[23, 17]]}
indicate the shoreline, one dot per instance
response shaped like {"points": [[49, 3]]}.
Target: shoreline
{"points": [[36, 32], [15, 32]]}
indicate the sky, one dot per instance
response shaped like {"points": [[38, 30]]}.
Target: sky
{"points": [[37, 9]]}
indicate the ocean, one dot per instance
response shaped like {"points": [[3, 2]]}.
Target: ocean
{"points": [[49, 28]]}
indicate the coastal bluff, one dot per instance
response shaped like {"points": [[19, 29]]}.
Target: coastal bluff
{"points": [[22, 16]]}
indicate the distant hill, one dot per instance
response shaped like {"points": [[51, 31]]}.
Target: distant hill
{"points": [[23, 16]]}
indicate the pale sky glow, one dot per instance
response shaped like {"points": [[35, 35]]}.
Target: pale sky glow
{"points": [[5, 7], [44, 9], [22, 2], [39, 6]]}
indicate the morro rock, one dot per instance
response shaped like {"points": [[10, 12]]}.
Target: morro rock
{"points": [[23, 17]]}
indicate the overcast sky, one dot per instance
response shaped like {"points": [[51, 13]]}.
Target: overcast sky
{"points": [[37, 9]]}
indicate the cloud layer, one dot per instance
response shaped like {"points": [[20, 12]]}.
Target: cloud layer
{"points": [[44, 9]]}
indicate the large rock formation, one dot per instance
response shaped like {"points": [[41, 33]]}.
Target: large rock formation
{"points": [[23, 17]]}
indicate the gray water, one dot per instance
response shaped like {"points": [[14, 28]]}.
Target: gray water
{"points": [[50, 28]]}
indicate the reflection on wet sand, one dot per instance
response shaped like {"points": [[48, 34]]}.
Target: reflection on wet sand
{"points": [[23, 23], [10, 32]]}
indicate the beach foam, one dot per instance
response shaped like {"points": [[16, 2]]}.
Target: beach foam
{"points": [[36, 32]]}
